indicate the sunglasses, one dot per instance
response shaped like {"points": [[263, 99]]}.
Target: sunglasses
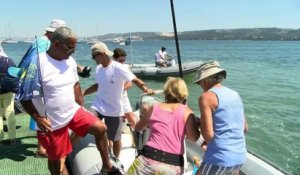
{"points": [[121, 60], [70, 49], [94, 55]]}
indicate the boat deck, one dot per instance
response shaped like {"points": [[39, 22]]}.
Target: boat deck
{"points": [[20, 158]]}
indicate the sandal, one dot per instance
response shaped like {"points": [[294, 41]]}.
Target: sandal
{"points": [[113, 171], [38, 154], [12, 141]]}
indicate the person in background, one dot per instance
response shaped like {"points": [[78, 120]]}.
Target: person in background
{"points": [[170, 122], [110, 77], [83, 71], [222, 122], [160, 59], [120, 56], [7, 101], [64, 101]]}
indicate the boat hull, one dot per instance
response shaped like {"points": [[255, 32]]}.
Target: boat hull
{"points": [[150, 71], [85, 158]]}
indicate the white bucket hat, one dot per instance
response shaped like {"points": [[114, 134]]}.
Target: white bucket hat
{"points": [[207, 69], [101, 48], [55, 23]]}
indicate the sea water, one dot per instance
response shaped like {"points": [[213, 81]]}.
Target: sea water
{"points": [[265, 73]]}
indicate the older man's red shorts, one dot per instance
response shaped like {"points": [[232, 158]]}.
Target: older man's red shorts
{"points": [[57, 143]]}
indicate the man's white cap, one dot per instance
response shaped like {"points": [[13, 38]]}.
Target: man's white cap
{"points": [[55, 23]]}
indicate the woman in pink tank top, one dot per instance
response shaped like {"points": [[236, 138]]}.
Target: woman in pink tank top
{"points": [[170, 122]]}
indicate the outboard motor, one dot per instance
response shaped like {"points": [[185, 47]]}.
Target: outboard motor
{"points": [[141, 137]]}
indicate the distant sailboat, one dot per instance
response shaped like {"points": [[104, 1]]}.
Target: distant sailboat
{"points": [[9, 40], [82, 40], [118, 39], [122, 43], [27, 40], [92, 41], [136, 38]]}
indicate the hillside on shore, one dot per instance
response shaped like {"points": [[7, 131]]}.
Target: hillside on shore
{"points": [[258, 34]]}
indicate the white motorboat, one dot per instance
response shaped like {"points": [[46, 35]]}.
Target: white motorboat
{"points": [[122, 43], [153, 71], [85, 158], [9, 41]]}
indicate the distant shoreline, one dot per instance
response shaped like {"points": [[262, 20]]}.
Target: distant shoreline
{"points": [[253, 34], [256, 34]]}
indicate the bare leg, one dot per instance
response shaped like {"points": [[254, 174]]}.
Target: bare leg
{"points": [[130, 118], [63, 168], [54, 166], [110, 146], [98, 129], [161, 64], [74, 138], [41, 151], [117, 145]]}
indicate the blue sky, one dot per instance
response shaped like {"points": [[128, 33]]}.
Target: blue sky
{"points": [[96, 17]]}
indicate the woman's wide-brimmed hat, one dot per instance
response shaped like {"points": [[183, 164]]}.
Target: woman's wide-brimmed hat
{"points": [[207, 69]]}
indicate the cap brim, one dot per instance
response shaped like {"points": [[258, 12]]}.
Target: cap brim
{"points": [[196, 81], [50, 29], [109, 53], [210, 74]]}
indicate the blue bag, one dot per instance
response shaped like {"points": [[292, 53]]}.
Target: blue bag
{"points": [[9, 81]]}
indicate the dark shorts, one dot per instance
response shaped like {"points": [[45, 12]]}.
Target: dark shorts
{"points": [[113, 124]]}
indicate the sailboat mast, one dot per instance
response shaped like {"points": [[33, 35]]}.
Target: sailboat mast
{"points": [[131, 49], [176, 39]]}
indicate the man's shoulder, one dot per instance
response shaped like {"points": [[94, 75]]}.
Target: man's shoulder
{"points": [[123, 68], [117, 65], [42, 55], [208, 95], [72, 59]]}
